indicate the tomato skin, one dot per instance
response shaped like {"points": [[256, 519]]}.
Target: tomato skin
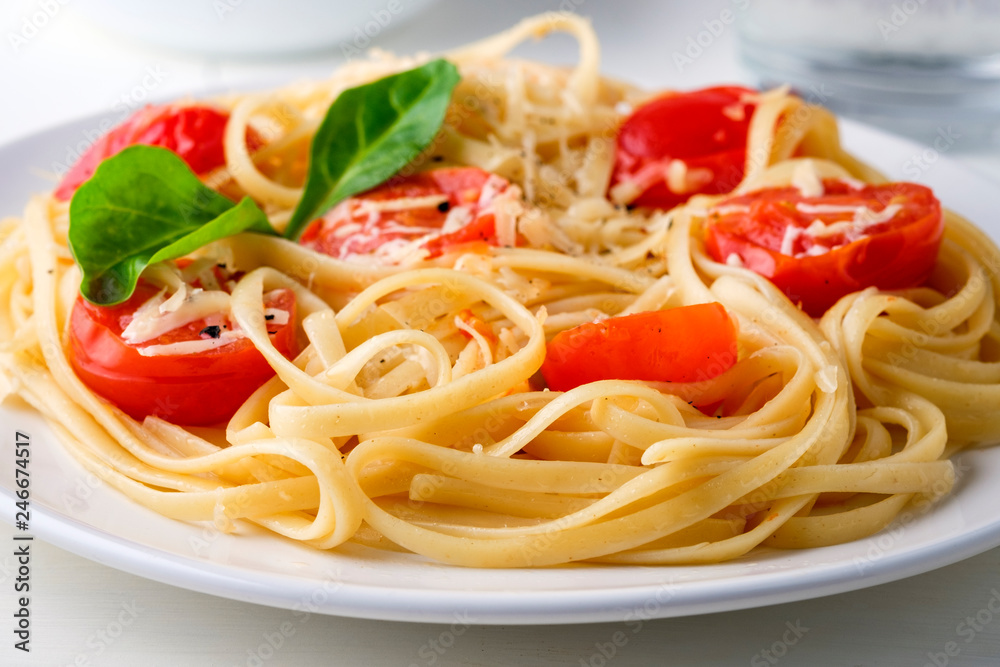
{"points": [[468, 187], [199, 389], [195, 133], [685, 344], [896, 254], [706, 129]]}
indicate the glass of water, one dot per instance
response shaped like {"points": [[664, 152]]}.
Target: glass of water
{"points": [[916, 67]]}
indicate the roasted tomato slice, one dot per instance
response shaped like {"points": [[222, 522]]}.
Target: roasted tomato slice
{"points": [[682, 144], [684, 344], [428, 213], [195, 133], [163, 376], [817, 249]]}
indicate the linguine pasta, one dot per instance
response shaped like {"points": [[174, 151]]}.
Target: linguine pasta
{"points": [[402, 426]]}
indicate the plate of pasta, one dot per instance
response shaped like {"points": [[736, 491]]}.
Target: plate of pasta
{"points": [[467, 336]]}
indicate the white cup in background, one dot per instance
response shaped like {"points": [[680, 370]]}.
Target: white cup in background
{"points": [[250, 27]]}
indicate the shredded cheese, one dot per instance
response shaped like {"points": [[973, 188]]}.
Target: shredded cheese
{"points": [[367, 206], [458, 217], [735, 112], [175, 301], [727, 209], [185, 347], [276, 316], [150, 322], [862, 219], [681, 179], [792, 234]]}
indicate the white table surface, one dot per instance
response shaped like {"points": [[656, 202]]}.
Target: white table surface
{"points": [[69, 68]]}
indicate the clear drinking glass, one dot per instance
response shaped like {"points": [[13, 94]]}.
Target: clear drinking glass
{"points": [[916, 67]]}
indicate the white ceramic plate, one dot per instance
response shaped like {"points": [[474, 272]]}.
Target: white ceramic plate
{"points": [[75, 511]]}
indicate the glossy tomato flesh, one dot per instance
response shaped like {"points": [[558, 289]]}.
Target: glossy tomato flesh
{"points": [[685, 344], [897, 253], [198, 389], [705, 129], [355, 227], [195, 133]]}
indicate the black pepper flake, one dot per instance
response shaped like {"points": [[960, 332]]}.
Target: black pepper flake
{"points": [[437, 158], [269, 317], [213, 331], [444, 207]]}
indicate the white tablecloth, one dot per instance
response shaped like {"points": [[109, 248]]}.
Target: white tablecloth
{"points": [[84, 613]]}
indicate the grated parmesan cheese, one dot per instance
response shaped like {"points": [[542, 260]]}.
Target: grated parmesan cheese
{"points": [[735, 112], [734, 260], [862, 219], [191, 346], [150, 323], [175, 301], [726, 209], [682, 180], [458, 217], [276, 316], [792, 234], [400, 204]]}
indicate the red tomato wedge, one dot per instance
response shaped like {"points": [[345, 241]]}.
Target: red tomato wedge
{"points": [[195, 133], [818, 249], [682, 144], [433, 210], [195, 389], [684, 344]]}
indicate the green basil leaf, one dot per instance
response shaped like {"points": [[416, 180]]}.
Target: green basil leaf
{"points": [[371, 132], [141, 206]]}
